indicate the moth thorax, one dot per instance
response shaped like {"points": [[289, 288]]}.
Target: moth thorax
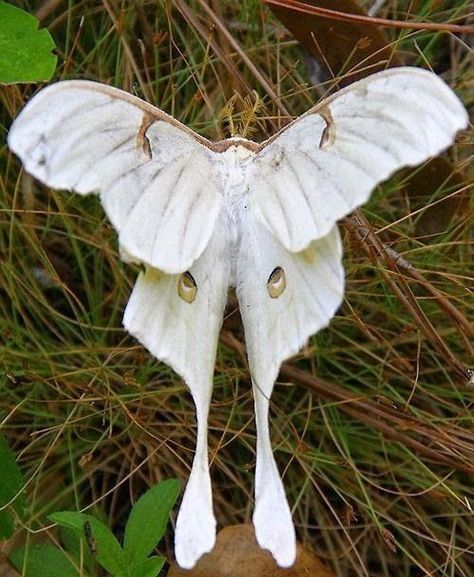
{"points": [[187, 288], [276, 282]]}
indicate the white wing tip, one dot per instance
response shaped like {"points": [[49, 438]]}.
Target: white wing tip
{"points": [[189, 550], [451, 99], [274, 529], [280, 541], [286, 556], [195, 533]]}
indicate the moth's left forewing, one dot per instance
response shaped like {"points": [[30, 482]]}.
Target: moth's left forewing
{"points": [[156, 178], [327, 162]]}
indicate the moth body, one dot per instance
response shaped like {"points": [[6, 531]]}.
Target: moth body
{"points": [[234, 164]]}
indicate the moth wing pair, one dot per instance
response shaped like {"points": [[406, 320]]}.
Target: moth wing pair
{"points": [[159, 188]]}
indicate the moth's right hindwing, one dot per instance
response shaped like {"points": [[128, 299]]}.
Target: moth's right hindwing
{"points": [[285, 297], [157, 181]]}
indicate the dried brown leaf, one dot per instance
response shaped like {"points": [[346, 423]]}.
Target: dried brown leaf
{"points": [[237, 554], [340, 46]]}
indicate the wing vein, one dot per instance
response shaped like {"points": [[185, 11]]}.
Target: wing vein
{"points": [[330, 178], [302, 188]]}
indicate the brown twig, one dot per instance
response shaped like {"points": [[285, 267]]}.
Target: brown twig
{"points": [[466, 328], [377, 254]]}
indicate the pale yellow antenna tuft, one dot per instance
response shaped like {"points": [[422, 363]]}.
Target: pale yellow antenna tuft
{"points": [[249, 106], [252, 105], [226, 113]]}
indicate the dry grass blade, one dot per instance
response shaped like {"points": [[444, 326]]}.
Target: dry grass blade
{"points": [[130, 56], [450, 447], [346, 51], [382, 258], [258, 74], [466, 328], [206, 35]]}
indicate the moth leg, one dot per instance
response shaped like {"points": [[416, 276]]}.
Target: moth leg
{"points": [[195, 532], [272, 520]]}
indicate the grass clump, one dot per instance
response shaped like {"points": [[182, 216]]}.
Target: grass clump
{"points": [[371, 423]]}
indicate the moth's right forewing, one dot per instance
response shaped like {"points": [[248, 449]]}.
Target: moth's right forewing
{"points": [[327, 162], [88, 137]]}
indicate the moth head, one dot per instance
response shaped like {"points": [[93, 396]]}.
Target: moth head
{"points": [[238, 147]]}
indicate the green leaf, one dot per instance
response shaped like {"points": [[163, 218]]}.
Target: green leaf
{"points": [[25, 51], [70, 541], [148, 567], [10, 485], [7, 527], [101, 540], [69, 519], [105, 546], [147, 522], [43, 560]]}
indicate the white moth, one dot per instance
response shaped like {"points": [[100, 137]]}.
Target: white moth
{"points": [[204, 216]]}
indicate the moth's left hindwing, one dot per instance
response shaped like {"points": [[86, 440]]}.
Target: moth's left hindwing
{"points": [[156, 178], [178, 318]]}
